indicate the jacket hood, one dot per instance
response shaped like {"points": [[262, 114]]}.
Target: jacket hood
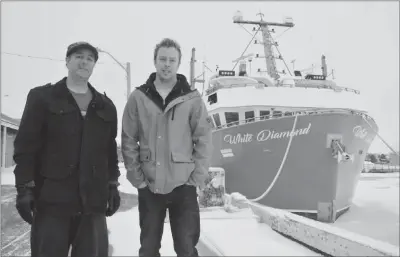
{"points": [[181, 83]]}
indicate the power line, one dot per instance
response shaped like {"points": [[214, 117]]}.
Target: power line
{"points": [[41, 57], [32, 57]]}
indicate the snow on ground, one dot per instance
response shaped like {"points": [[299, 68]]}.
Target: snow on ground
{"points": [[125, 231], [7, 176], [374, 213], [375, 209], [125, 185], [232, 233], [124, 235], [239, 234]]}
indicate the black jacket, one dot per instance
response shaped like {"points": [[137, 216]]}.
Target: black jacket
{"points": [[71, 159]]}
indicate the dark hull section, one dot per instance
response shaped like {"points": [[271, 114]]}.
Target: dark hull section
{"points": [[252, 153]]}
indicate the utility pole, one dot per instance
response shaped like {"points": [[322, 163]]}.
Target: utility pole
{"points": [[193, 80], [128, 80], [204, 76], [1, 138], [192, 63], [127, 70]]}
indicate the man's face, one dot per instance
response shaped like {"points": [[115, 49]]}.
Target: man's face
{"points": [[167, 63], [81, 63]]}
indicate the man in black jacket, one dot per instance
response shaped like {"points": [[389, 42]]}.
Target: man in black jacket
{"points": [[66, 171]]}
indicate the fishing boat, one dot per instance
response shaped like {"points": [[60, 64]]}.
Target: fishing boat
{"points": [[290, 141]]}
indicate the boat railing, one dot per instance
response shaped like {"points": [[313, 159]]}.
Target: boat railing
{"points": [[215, 88], [302, 84], [288, 114], [325, 84]]}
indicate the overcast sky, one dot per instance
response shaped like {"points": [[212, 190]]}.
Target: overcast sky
{"points": [[360, 41]]}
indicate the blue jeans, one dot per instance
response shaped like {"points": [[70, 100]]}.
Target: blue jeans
{"points": [[184, 220]]}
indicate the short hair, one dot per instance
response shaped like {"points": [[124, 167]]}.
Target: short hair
{"points": [[167, 42]]}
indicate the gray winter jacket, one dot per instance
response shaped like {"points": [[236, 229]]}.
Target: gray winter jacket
{"points": [[166, 145]]}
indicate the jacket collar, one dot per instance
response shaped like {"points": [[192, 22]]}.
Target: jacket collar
{"points": [[181, 89], [181, 85], [61, 91], [181, 99]]}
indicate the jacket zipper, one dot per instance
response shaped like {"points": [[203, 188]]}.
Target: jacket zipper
{"points": [[173, 112], [82, 198]]}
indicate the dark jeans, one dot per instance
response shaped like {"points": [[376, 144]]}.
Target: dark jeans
{"points": [[184, 220], [53, 235]]}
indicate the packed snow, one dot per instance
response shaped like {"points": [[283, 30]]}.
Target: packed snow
{"points": [[375, 209], [375, 213]]}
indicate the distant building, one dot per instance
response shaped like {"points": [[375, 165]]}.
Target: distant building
{"points": [[9, 128]]}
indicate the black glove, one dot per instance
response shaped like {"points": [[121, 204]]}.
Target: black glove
{"points": [[114, 200], [25, 203]]}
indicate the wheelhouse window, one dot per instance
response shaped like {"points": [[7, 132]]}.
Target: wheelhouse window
{"points": [[232, 118], [212, 99], [264, 115], [217, 120], [249, 116], [288, 113]]}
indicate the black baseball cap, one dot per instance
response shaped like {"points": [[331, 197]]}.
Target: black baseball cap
{"points": [[72, 48]]}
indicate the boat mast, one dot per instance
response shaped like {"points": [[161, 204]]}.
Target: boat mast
{"points": [[267, 41]]}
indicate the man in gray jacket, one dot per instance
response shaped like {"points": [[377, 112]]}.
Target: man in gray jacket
{"points": [[166, 146]]}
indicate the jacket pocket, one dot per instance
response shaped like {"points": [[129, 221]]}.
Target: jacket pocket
{"points": [[61, 109], [147, 165], [98, 188], [182, 167], [102, 125], [105, 115], [59, 184], [181, 158], [62, 119], [56, 171], [145, 155], [100, 171]]}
